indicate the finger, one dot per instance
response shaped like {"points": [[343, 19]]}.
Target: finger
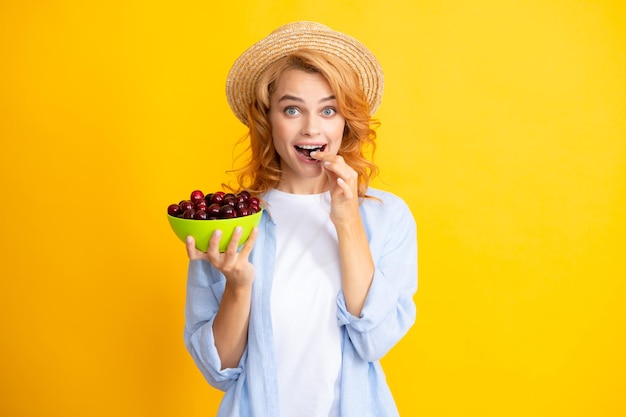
{"points": [[319, 155], [344, 187], [327, 158], [190, 244], [231, 249], [192, 251], [337, 166], [247, 247], [214, 245]]}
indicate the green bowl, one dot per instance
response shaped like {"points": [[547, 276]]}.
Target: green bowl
{"points": [[201, 230]]}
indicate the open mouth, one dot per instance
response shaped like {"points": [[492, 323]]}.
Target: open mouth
{"points": [[305, 150]]}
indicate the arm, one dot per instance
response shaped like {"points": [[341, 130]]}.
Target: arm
{"points": [[379, 271], [389, 310], [205, 286], [357, 266], [229, 328]]}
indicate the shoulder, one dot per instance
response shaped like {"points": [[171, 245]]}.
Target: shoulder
{"points": [[383, 198], [384, 205], [388, 221]]}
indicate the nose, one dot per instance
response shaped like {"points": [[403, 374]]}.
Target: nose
{"points": [[310, 126]]}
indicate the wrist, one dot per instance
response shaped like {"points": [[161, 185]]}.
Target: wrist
{"points": [[238, 289], [347, 223]]}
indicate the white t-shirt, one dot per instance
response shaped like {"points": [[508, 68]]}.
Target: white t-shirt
{"points": [[306, 283]]}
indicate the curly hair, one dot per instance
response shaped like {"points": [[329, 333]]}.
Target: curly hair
{"points": [[262, 170]]}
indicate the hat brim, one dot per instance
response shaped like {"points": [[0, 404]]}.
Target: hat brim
{"points": [[247, 69]]}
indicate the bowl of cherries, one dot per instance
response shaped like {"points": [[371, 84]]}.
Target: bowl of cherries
{"points": [[202, 214]]}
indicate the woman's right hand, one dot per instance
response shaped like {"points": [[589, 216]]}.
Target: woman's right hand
{"points": [[235, 265]]}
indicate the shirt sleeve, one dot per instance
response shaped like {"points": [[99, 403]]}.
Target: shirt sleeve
{"points": [[205, 287], [389, 310]]}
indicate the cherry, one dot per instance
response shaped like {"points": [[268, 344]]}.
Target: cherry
{"points": [[189, 214], [201, 215], [214, 210], [201, 205], [186, 205], [174, 210], [217, 197], [196, 195], [254, 206], [231, 200], [228, 212]]}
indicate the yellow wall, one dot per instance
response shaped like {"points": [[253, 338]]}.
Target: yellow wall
{"points": [[503, 127]]}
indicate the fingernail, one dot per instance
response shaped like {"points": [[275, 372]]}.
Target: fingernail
{"points": [[313, 153], [218, 232]]}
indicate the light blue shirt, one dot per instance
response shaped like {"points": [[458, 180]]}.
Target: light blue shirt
{"points": [[388, 313]]}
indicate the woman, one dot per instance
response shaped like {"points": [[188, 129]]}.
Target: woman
{"points": [[295, 322]]}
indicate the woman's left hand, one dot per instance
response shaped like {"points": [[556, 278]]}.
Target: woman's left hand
{"points": [[357, 266], [343, 180]]}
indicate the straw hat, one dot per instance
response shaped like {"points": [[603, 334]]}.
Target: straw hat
{"points": [[301, 35]]}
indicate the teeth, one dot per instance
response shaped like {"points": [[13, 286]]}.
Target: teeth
{"points": [[305, 150], [310, 146]]}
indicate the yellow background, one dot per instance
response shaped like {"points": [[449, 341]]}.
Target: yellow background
{"points": [[503, 127]]}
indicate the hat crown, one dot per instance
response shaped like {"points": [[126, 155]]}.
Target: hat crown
{"points": [[286, 39]]}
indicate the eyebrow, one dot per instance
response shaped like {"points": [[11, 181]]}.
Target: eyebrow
{"points": [[298, 99]]}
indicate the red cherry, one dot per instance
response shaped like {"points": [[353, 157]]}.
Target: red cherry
{"points": [[244, 211], [231, 200], [244, 194], [217, 197], [214, 210], [189, 214], [201, 215], [201, 204], [254, 200], [228, 212], [174, 210], [196, 195], [186, 205]]}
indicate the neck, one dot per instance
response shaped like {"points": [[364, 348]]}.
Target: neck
{"points": [[312, 186]]}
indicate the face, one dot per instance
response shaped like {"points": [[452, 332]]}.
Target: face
{"points": [[304, 118]]}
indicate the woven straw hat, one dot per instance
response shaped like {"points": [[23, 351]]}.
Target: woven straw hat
{"points": [[294, 36]]}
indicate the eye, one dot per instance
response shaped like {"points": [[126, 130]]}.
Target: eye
{"points": [[291, 111], [329, 111]]}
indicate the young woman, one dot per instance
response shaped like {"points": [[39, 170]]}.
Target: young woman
{"points": [[293, 324]]}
